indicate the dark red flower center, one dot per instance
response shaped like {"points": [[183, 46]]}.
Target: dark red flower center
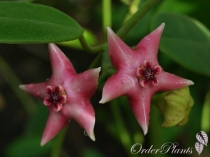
{"points": [[57, 97], [146, 73]]}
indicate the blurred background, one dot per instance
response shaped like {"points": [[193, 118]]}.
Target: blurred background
{"points": [[22, 117]]}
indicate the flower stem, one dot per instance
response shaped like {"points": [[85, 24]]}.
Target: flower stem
{"points": [[107, 21], [130, 23], [88, 48], [56, 150], [14, 82]]}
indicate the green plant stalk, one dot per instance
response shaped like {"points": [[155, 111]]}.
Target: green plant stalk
{"points": [[132, 21], [13, 81], [88, 48], [107, 12], [57, 147], [132, 9]]}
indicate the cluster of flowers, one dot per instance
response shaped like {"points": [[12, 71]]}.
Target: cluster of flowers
{"points": [[138, 77]]}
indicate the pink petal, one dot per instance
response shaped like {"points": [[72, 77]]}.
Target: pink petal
{"points": [[55, 123], [57, 107], [140, 105], [117, 85], [59, 62], [155, 81], [157, 69], [169, 81], [47, 102], [140, 72], [148, 46], [144, 83], [83, 113], [120, 53], [49, 90], [147, 64], [37, 90], [84, 84]]}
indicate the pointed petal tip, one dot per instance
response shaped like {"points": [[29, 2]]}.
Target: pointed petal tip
{"points": [[22, 87], [97, 70], [101, 101], [190, 82], [92, 137], [161, 27], [145, 129], [43, 142]]}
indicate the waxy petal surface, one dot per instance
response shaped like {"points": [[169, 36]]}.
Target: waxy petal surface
{"points": [[72, 95], [138, 85]]}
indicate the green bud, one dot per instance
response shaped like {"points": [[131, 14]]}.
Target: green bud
{"points": [[175, 106]]}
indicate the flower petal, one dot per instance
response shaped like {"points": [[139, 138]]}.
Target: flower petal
{"points": [[85, 84], [119, 52], [140, 105], [59, 62], [168, 81], [55, 123], [37, 90], [117, 85], [83, 113], [149, 44]]}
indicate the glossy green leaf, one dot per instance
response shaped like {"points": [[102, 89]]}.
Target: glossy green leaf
{"points": [[22, 22], [185, 40]]}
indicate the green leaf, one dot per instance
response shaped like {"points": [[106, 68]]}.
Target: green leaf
{"points": [[22, 22], [185, 40]]}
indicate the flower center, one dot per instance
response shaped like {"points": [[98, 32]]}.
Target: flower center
{"points": [[146, 74], [57, 97]]}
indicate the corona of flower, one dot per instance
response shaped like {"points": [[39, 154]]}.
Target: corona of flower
{"points": [[66, 94], [139, 74]]}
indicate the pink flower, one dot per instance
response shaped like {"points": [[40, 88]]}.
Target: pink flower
{"points": [[139, 74], [66, 94]]}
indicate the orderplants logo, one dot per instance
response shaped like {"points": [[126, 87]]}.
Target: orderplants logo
{"points": [[202, 140]]}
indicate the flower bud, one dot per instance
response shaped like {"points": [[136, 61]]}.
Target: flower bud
{"points": [[175, 106]]}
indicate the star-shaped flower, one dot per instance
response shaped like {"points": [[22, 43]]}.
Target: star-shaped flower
{"points": [[66, 94], [138, 74]]}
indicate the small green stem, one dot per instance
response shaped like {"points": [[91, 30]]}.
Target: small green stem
{"points": [[56, 150], [88, 48], [14, 82], [130, 23], [107, 21]]}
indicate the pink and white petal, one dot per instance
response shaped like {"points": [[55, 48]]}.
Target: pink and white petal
{"points": [[140, 72], [168, 81], [47, 101], [155, 81], [83, 113], [57, 107], [55, 123], [37, 90], [59, 62], [120, 53], [84, 84], [144, 83], [117, 85], [148, 46], [140, 105]]}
